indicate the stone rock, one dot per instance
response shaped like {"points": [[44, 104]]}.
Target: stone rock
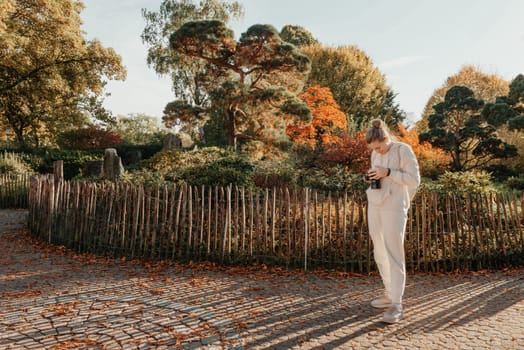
{"points": [[113, 168]]}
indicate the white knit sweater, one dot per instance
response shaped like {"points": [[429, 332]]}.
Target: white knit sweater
{"points": [[397, 189]]}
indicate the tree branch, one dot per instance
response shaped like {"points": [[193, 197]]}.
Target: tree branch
{"points": [[37, 70]]}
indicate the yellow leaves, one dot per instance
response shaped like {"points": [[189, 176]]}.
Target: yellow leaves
{"points": [[157, 343], [256, 312], [142, 285], [102, 306], [486, 87], [179, 338], [241, 325], [6, 6], [157, 291], [50, 65], [20, 294], [197, 282], [104, 324], [17, 275], [356, 84], [59, 309], [77, 343]]}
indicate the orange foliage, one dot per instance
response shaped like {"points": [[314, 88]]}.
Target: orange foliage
{"points": [[432, 160], [328, 122]]}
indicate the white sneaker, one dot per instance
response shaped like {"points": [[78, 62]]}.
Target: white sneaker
{"points": [[381, 303], [393, 314]]}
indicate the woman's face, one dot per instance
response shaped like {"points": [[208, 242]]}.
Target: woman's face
{"points": [[380, 146]]}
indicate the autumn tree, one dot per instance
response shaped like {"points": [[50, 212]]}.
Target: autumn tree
{"points": [[252, 82], [324, 143], [433, 161], [486, 87], [297, 35], [458, 127], [5, 8], [48, 70], [357, 85], [328, 122], [188, 74]]}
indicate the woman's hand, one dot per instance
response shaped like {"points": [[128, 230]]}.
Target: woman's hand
{"points": [[378, 173]]}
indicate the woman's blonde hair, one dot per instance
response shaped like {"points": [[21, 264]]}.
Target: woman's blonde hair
{"points": [[378, 131]]}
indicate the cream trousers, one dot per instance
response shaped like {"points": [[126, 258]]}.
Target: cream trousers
{"points": [[387, 229]]}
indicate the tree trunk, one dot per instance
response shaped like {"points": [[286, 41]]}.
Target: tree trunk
{"points": [[457, 166], [230, 130], [20, 138]]}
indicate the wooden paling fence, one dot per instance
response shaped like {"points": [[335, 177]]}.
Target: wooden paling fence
{"points": [[14, 191], [278, 226]]}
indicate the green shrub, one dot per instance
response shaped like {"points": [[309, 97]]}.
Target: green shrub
{"points": [[213, 174], [275, 173], [337, 179], [501, 172], [460, 183], [428, 184], [515, 183], [12, 163], [207, 166], [168, 161], [164, 161], [144, 177], [73, 160]]}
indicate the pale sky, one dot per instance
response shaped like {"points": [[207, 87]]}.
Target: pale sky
{"points": [[416, 44]]}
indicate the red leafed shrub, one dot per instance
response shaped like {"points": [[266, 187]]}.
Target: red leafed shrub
{"points": [[350, 151], [92, 137]]}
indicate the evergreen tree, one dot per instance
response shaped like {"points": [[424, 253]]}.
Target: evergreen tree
{"points": [[459, 128], [252, 83]]}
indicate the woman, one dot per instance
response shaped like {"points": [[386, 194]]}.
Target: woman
{"points": [[394, 170]]}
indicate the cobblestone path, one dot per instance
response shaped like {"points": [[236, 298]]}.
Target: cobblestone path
{"points": [[51, 298]]}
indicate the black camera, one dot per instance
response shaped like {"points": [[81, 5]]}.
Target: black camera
{"points": [[374, 183]]}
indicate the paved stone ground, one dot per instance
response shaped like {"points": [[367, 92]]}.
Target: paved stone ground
{"points": [[51, 298]]}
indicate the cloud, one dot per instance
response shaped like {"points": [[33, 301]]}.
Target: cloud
{"points": [[401, 61]]}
